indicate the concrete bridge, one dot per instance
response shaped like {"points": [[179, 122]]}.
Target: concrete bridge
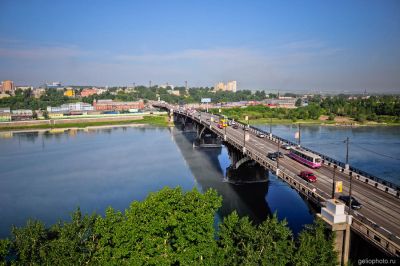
{"points": [[378, 221]]}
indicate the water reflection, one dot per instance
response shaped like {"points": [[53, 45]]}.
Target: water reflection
{"points": [[46, 175]]}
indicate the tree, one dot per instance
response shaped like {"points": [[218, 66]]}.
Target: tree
{"points": [[45, 114], [298, 102], [242, 243], [315, 246], [169, 227]]}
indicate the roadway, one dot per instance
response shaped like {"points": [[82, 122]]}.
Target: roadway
{"points": [[378, 206]]}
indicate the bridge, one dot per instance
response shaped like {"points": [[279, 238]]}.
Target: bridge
{"points": [[378, 221]]}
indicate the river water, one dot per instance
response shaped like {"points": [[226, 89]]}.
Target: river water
{"points": [[46, 175]]}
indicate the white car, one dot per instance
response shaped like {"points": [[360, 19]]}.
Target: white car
{"points": [[261, 135], [286, 147]]}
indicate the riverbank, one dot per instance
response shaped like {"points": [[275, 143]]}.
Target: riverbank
{"points": [[277, 121], [156, 120]]}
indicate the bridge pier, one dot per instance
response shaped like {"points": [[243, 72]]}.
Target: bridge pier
{"points": [[206, 138], [243, 169], [337, 221]]}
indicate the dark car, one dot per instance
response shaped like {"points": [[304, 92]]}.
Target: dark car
{"points": [[274, 155], [354, 203], [235, 126], [308, 176], [245, 128]]}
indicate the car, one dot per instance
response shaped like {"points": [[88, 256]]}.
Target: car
{"points": [[354, 203], [235, 126], [220, 126], [286, 146], [261, 135], [272, 156], [245, 128], [308, 176]]}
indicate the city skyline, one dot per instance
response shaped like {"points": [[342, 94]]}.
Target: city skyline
{"points": [[286, 46]]}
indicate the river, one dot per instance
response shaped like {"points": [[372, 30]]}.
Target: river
{"points": [[45, 175]]}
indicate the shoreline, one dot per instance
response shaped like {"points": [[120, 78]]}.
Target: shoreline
{"points": [[159, 120], [319, 123], [60, 130]]}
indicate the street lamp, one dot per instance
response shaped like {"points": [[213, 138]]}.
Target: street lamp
{"points": [[270, 127], [277, 157], [347, 168], [347, 153], [333, 181]]}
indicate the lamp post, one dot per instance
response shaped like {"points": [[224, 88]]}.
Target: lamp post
{"points": [[333, 181], [351, 178], [270, 127], [347, 153], [277, 157], [299, 134]]}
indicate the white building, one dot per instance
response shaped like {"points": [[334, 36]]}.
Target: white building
{"points": [[229, 86], [70, 107]]}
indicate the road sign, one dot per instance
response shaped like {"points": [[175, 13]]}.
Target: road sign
{"points": [[338, 186], [246, 118], [205, 100]]}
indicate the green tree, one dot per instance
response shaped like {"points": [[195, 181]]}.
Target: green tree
{"points": [[298, 102], [315, 246], [45, 114], [242, 243]]}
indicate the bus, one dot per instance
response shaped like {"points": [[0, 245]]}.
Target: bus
{"points": [[305, 157], [223, 122]]}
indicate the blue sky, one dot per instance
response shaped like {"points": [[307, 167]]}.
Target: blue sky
{"points": [[332, 46]]}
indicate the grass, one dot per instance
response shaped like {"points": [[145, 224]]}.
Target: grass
{"points": [[159, 120]]}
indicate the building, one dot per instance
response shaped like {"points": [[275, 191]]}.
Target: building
{"points": [[71, 107], [174, 92], [281, 102], [229, 86], [21, 114], [88, 92], [165, 86], [69, 92], [110, 105], [53, 85], [5, 114], [38, 92], [7, 86]]}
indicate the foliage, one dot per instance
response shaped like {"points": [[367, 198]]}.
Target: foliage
{"points": [[170, 227], [242, 243], [315, 246]]}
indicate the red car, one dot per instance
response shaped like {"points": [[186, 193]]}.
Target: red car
{"points": [[308, 176], [220, 126]]}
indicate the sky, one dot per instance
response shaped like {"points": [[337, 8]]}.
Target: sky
{"points": [[287, 46]]}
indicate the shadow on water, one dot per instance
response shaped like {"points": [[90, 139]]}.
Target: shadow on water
{"points": [[204, 163]]}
